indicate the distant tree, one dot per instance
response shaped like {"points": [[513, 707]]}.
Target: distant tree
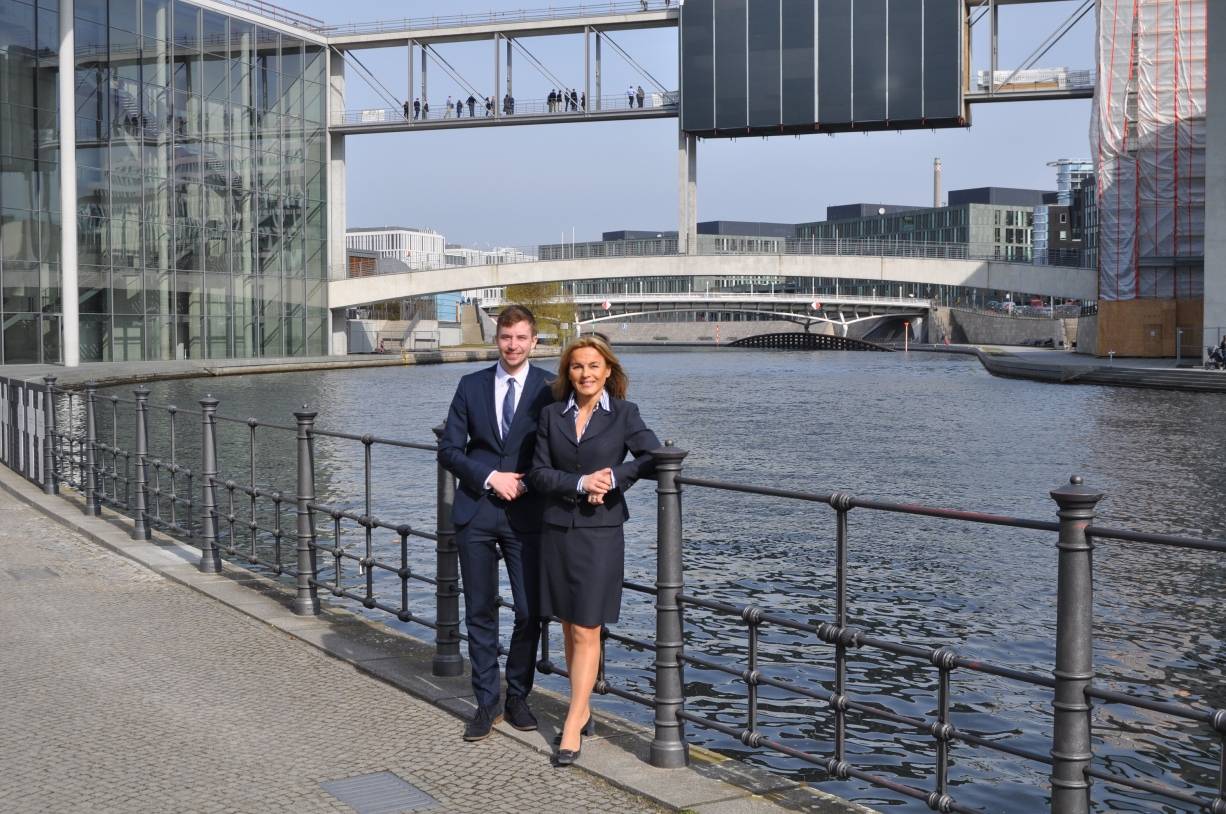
{"points": [[552, 306]]}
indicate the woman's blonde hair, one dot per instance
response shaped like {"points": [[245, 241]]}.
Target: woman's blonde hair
{"points": [[618, 380]]}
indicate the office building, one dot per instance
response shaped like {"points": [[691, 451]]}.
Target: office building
{"points": [[195, 144]]}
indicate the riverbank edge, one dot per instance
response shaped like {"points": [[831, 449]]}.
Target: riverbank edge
{"points": [[111, 374], [1000, 362], [712, 784]]}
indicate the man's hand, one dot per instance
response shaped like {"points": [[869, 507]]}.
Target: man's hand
{"points": [[507, 485]]}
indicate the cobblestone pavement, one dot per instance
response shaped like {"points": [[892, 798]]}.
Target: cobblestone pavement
{"points": [[124, 692]]}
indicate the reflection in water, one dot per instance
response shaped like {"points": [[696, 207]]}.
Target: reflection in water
{"points": [[928, 429]]}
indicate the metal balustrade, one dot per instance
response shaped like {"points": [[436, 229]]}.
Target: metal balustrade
{"points": [[60, 446], [496, 17], [518, 109], [718, 246]]}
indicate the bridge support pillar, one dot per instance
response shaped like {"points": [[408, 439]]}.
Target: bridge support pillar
{"points": [[336, 171], [1215, 179], [687, 188], [338, 318]]}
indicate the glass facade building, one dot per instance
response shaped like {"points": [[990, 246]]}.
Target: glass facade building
{"points": [[30, 304], [201, 205]]}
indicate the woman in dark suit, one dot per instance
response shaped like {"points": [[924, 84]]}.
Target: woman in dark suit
{"points": [[580, 467]]}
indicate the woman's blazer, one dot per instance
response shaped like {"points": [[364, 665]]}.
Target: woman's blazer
{"points": [[560, 459]]}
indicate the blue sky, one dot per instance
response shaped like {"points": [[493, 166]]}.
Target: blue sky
{"points": [[523, 185]]}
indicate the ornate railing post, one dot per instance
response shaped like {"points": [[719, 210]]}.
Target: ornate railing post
{"points": [[447, 658], [140, 507], [91, 443], [1071, 747], [668, 749], [51, 484], [210, 558], [306, 602]]}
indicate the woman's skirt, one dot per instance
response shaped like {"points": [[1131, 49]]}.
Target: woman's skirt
{"points": [[581, 574]]}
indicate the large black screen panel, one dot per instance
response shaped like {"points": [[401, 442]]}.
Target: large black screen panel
{"points": [[731, 90], [765, 67], [942, 59], [764, 64], [798, 20], [868, 61], [834, 61], [697, 67], [906, 60]]}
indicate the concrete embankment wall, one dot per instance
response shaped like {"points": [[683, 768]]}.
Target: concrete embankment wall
{"points": [[976, 328]]}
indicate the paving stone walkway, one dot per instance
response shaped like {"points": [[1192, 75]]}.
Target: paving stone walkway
{"points": [[125, 692]]}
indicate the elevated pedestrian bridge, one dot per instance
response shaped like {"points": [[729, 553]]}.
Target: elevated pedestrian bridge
{"points": [[989, 275]]}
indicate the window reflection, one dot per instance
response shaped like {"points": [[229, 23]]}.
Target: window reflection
{"points": [[185, 120]]}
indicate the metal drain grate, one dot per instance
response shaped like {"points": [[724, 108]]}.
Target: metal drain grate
{"points": [[31, 574], [380, 793]]}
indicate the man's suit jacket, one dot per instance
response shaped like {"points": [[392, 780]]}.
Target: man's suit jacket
{"points": [[472, 445], [560, 459]]}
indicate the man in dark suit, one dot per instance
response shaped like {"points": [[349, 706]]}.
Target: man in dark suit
{"points": [[488, 444]]}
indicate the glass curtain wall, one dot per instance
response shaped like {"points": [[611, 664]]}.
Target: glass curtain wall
{"points": [[29, 183], [200, 185]]}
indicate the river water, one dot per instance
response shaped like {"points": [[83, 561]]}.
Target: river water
{"points": [[924, 428]]}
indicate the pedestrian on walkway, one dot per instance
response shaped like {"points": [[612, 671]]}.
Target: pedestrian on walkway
{"points": [[630, 96], [425, 110], [488, 443], [406, 108], [489, 106], [638, 94], [472, 106], [449, 109], [583, 101], [574, 100], [643, 3], [416, 109], [550, 101]]}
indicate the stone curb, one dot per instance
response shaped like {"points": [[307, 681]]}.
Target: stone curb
{"points": [[155, 371], [712, 784]]}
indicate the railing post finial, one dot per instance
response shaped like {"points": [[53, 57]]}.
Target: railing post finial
{"points": [[306, 602], [1071, 745], [51, 483], [668, 749], [92, 507], [210, 557], [447, 658], [140, 508]]}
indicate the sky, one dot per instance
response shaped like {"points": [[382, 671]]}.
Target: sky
{"points": [[519, 186]]}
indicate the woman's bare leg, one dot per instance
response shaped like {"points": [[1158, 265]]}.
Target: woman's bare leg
{"points": [[583, 662]]}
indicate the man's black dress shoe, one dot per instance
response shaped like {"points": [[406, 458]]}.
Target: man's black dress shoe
{"points": [[481, 725], [519, 715]]}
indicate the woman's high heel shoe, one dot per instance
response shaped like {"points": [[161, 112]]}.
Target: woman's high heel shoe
{"points": [[588, 729]]}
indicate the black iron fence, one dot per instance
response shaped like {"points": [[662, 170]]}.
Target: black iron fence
{"points": [[57, 437]]}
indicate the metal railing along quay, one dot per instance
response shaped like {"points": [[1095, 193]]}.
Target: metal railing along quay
{"points": [[56, 438]]}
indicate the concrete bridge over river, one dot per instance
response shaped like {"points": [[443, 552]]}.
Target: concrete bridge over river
{"points": [[891, 274]]}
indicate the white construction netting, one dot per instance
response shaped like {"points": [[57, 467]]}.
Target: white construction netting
{"points": [[1148, 134]]}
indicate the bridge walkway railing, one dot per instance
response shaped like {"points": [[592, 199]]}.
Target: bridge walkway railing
{"points": [[716, 246]]}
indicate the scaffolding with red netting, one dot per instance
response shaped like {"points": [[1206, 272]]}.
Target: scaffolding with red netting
{"points": [[1148, 133]]}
